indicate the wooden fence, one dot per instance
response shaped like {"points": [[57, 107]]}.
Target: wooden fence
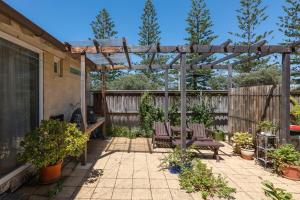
{"points": [[123, 106], [249, 105]]}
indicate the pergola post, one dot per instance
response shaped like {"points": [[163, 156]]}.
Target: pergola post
{"points": [[103, 95], [183, 101], [83, 102], [285, 99], [229, 77], [166, 94]]}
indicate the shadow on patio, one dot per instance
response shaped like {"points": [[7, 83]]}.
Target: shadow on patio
{"points": [[129, 169]]}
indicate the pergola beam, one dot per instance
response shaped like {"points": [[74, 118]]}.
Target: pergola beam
{"points": [[228, 57], [126, 52], [174, 60], [151, 60], [97, 46], [157, 67], [206, 55], [203, 49]]}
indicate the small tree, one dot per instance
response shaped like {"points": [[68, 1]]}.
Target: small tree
{"points": [[199, 29], [250, 16], [104, 28], [290, 27], [149, 34]]}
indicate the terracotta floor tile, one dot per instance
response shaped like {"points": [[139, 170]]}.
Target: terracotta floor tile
{"points": [[106, 183], [141, 184], [123, 183], [102, 193], [141, 194], [158, 183], [161, 194], [122, 194]]}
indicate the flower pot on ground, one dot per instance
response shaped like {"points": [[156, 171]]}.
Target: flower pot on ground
{"points": [[267, 128], [47, 146], [287, 161], [247, 154], [291, 172], [243, 143]]}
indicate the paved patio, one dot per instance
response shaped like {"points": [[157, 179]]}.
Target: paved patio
{"points": [[129, 169]]}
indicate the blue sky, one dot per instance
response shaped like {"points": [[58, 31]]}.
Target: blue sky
{"points": [[69, 20]]}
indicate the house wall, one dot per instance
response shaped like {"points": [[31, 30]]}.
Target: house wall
{"points": [[60, 93]]}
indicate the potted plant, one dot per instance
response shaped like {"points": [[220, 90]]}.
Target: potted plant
{"points": [[46, 146], [244, 145], [176, 161], [287, 161], [219, 135], [267, 127]]}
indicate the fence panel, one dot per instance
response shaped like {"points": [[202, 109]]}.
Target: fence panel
{"points": [[123, 106]]}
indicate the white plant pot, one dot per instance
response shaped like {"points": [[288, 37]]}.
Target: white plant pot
{"points": [[247, 154]]}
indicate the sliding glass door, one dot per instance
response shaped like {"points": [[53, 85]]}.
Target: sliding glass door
{"points": [[19, 100]]}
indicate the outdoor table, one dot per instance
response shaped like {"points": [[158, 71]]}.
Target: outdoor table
{"points": [[176, 130]]}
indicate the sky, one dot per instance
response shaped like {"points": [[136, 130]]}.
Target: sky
{"points": [[69, 20]]}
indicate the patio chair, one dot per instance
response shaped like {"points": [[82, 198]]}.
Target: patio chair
{"points": [[200, 132], [161, 134], [202, 139]]}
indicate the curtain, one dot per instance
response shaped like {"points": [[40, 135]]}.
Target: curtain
{"points": [[19, 100]]}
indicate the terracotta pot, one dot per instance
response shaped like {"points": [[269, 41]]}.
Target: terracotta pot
{"points": [[291, 172], [247, 154], [50, 174]]}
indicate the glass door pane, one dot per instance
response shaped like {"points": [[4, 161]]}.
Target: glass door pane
{"points": [[19, 100]]}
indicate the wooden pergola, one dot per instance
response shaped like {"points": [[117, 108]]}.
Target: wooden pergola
{"points": [[258, 50]]}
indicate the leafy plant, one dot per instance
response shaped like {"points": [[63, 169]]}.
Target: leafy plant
{"points": [[56, 189], [275, 193], [202, 113], [122, 131], [219, 135], [201, 179], [285, 155], [174, 115], [148, 113], [176, 158], [242, 140], [295, 111], [51, 142], [267, 126]]}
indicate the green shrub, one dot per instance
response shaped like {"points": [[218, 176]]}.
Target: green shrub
{"points": [[122, 131], [219, 135], [285, 154], [242, 140], [202, 113], [275, 193], [148, 113], [267, 126], [173, 114], [176, 158], [201, 179], [51, 142]]}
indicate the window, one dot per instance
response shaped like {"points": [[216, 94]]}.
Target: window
{"points": [[19, 102], [56, 65]]}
